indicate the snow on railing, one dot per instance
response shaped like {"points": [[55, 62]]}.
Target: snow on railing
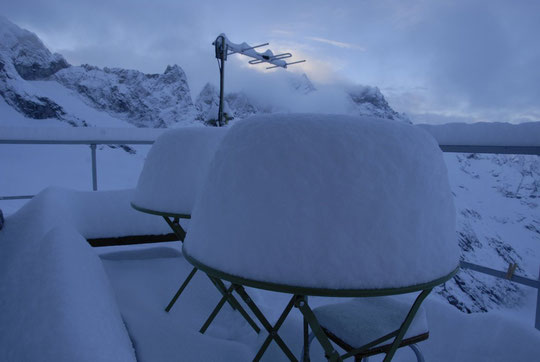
{"points": [[484, 137], [495, 138], [90, 136]]}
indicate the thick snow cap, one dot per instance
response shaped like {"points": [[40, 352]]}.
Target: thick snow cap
{"points": [[175, 169], [326, 201]]}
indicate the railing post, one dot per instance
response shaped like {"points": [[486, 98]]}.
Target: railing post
{"points": [[94, 166], [537, 322]]}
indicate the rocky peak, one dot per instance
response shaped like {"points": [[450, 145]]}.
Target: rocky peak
{"points": [[369, 101], [207, 97], [145, 100], [30, 57], [174, 74], [302, 84], [207, 104]]}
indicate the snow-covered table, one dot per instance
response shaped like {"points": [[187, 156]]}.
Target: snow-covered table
{"points": [[169, 184], [321, 205]]}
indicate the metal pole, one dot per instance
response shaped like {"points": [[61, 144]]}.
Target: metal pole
{"points": [[305, 356], [537, 322], [94, 166], [223, 54]]}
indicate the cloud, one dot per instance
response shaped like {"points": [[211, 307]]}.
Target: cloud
{"points": [[335, 43]]}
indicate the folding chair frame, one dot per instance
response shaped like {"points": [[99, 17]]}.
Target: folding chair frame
{"points": [[173, 220], [300, 301], [365, 350]]}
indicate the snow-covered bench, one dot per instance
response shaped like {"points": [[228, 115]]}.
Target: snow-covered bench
{"points": [[57, 303], [102, 217], [55, 299]]}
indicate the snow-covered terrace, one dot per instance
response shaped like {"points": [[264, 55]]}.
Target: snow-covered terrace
{"points": [[64, 300]]}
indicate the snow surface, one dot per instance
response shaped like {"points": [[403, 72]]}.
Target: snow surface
{"points": [[94, 214], [363, 320], [145, 278], [486, 134], [300, 200], [46, 264], [175, 169], [79, 134], [57, 303]]}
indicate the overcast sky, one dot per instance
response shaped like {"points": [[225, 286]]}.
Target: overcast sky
{"points": [[438, 61]]}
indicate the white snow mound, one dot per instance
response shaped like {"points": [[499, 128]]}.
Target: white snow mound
{"points": [[95, 214], [59, 305], [326, 201], [175, 169]]}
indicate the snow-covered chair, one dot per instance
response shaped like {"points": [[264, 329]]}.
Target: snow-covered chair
{"points": [[173, 174], [360, 321]]}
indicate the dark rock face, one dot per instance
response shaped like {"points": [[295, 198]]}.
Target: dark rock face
{"points": [[40, 108], [30, 57], [21, 99], [36, 71], [146, 100], [24, 57]]}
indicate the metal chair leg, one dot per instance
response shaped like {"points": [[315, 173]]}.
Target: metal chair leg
{"points": [[330, 353], [216, 310], [229, 298], [305, 356], [180, 290], [406, 323], [272, 330], [176, 228]]}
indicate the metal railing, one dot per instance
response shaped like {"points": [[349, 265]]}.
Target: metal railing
{"points": [[518, 150], [93, 143]]}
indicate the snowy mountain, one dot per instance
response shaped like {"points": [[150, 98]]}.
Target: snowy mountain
{"points": [[369, 101], [498, 223], [237, 104], [23, 58], [143, 100], [496, 196]]}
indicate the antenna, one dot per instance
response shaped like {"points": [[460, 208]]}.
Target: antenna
{"points": [[224, 48]]}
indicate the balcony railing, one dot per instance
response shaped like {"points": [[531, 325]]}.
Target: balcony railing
{"points": [[462, 138]]}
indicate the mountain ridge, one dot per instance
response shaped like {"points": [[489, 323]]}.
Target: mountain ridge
{"points": [[144, 100]]}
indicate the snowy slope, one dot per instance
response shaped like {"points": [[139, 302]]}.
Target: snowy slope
{"points": [[498, 219], [496, 196]]}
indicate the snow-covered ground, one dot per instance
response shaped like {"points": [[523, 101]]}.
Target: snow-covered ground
{"points": [[42, 261], [145, 280], [496, 218]]}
